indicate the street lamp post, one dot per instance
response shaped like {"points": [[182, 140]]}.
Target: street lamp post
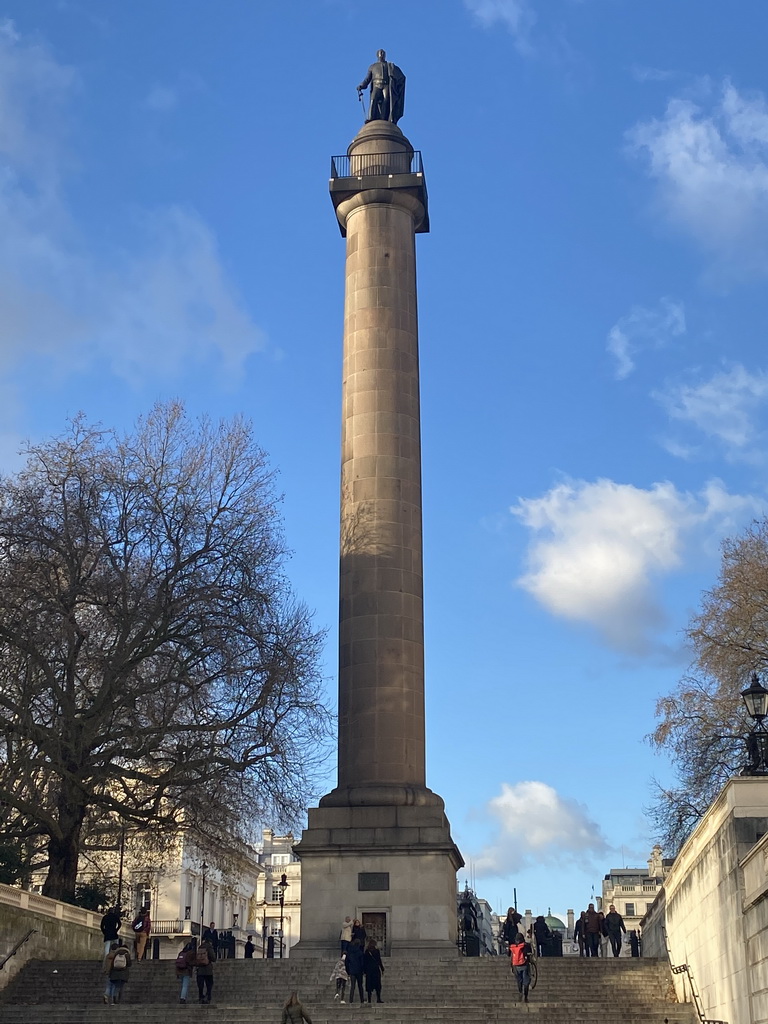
{"points": [[756, 700], [204, 868], [282, 886]]}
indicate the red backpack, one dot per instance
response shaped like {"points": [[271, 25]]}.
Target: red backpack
{"points": [[519, 957]]}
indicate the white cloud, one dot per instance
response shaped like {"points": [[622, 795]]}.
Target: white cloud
{"points": [[724, 407], [644, 328], [598, 550], [157, 308], [515, 15], [555, 829], [712, 172]]}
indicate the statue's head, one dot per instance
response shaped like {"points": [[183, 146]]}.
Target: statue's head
{"points": [[381, 55]]}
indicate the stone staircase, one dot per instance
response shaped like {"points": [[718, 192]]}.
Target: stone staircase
{"points": [[461, 991]]}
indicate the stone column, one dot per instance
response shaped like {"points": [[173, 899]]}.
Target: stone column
{"points": [[380, 840], [381, 624]]}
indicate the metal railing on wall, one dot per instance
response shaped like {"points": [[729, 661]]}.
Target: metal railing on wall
{"points": [[695, 997], [16, 948], [360, 165]]}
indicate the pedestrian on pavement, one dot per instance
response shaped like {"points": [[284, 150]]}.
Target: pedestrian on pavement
{"points": [[110, 928], [520, 953], [249, 948], [294, 1012], [116, 966], [340, 977], [185, 963], [355, 969], [141, 927], [373, 968], [204, 958], [615, 924]]}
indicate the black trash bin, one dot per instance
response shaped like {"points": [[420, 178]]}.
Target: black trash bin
{"points": [[472, 945]]}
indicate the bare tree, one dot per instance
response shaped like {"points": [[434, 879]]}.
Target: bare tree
{"points": [[155, 668], [703, 722]]}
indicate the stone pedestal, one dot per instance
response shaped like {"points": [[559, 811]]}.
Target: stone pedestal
{"points": [[381, 823]]}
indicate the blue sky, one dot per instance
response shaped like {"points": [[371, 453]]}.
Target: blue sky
{"points": [[592, 315]]}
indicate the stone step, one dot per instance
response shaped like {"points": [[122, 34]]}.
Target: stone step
{"points": [[460, 991]]}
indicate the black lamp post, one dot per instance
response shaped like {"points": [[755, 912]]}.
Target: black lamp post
{"points": [[282, 886], [204, 868], [756, 700]]}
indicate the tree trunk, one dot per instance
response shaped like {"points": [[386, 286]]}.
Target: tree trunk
{"points": [[64, 855]]}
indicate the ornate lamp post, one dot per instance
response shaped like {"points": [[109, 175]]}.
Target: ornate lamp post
{"points": [[282, 886], [756, 700]]}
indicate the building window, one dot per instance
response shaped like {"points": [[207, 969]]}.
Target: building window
{"points": [[275, 893], [275, 929], [144, 896], [629, 909], [281, 858]]}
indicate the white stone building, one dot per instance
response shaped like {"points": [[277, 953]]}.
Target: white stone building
{"points": [[276, 858], [633, 890]]}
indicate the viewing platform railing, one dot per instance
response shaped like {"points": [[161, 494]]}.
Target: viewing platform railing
{"points": [[362, 164]]}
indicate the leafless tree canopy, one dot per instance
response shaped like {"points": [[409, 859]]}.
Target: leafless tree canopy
{"points": [[701, 723], [155, 669]]}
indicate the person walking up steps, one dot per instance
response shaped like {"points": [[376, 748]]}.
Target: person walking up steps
{"points": [[519, 954], [355, 969], [294, 1012], [374, 969], [116, 966], [204, 958], [340, 976], [185, 963]]}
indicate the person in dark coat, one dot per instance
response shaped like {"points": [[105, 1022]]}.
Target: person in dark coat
{"points": [[212, 935], [249, 948], [205, 971], [580, 934], [373, 968], [110, 928], [615, 924], [541, 933], [355, 968], [593, 927], [358, 932], [511, 924]]}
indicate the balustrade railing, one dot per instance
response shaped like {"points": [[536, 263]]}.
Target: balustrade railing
{"points": [[360, 165]]}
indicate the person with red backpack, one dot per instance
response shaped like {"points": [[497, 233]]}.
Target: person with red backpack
{"points": [[519, 953], [204, 958], [185, 963]]}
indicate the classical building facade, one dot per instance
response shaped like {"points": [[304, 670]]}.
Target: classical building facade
{"points": [[633, 890], [272, 919]]}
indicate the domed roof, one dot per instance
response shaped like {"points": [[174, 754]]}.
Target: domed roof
{"points": [[554, 923]]}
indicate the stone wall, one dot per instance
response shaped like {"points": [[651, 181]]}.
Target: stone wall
{"points": [[709, 924], [54, 939]]}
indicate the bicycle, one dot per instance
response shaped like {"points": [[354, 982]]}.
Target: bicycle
{"points": [[533, 970]]}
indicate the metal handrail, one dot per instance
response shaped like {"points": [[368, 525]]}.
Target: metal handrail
{"points": [[361, 164], [685, 969], [16, 948]]}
